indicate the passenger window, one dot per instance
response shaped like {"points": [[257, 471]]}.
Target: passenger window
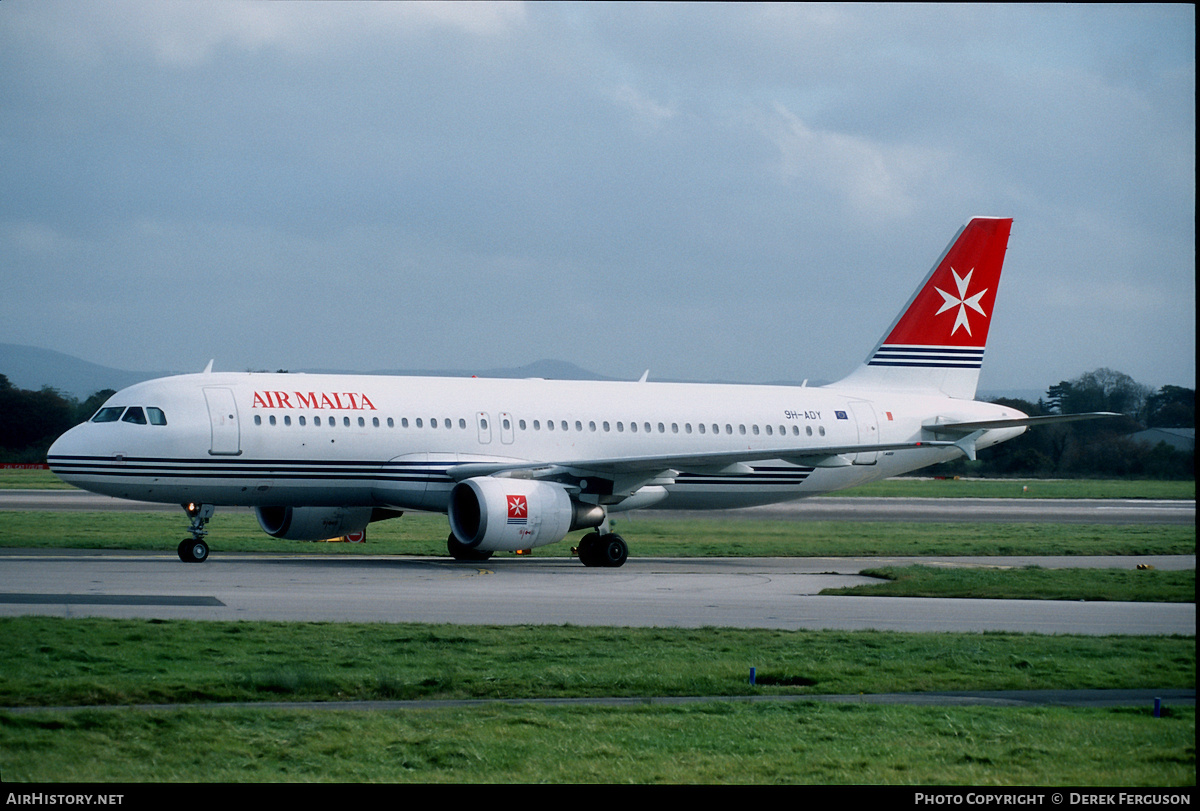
{"points": [[110, 414], [156, 415], [135, 415]]}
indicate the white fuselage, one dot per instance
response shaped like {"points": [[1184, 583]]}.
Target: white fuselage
{"points": [[365, 440]]}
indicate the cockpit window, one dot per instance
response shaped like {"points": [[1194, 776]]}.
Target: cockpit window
{"points": [[135, 415], [109, 414]]}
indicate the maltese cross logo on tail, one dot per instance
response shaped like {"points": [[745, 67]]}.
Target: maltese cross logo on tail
{"points": [[961, 301]]}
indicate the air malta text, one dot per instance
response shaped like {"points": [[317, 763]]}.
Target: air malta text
{"points": [[334, 400]]}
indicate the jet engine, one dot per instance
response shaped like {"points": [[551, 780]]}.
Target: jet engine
{"points": [[312, 523], [491, 514]]}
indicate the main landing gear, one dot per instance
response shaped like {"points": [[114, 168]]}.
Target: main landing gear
{"points": [[463, 553], [595, 549], [608, 549], [194, 549]]}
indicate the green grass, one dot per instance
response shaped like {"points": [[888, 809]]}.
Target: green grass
{"points": [[1029, 583], [31, 480], [55, 661], [711, 743], [425, 534]]}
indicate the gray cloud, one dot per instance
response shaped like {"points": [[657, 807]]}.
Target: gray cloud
{"points": [[717, 191]]}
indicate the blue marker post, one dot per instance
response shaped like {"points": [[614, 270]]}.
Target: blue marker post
{"points": [[752, 675], [1157, 702]]}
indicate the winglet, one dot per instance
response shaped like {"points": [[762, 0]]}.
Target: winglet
{"points": [[208, 368]]}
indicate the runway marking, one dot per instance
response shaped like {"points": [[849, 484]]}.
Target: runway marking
{"points": [[107, 599]]}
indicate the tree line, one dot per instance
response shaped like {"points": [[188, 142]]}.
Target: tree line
{"points": [[31, 420]]}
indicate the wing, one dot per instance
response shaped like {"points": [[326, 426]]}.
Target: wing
{"points": [[620, 477]]}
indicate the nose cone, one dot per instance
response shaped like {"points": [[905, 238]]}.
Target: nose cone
{"points": [[66, 453]]}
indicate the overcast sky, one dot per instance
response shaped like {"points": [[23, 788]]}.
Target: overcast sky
{"points": [[734, 192]]}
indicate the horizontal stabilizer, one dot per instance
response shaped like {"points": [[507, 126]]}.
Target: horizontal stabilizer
{"points": [[1029, 422]]}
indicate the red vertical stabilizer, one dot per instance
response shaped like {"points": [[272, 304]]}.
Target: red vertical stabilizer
{"points": [[938, 340]]}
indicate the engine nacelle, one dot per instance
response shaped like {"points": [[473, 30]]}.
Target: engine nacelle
{"points": [[494, 515], [312, 523]]}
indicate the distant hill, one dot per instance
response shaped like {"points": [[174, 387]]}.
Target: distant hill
{"points": [[31, 368]]}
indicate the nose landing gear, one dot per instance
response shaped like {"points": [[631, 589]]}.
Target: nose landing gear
{"points": [[194, 549]]}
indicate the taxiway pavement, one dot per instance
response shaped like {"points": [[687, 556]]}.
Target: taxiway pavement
{"points": [[778, 593]]}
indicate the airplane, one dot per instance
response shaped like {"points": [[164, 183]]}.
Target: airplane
{"points": [[517, 464]]}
